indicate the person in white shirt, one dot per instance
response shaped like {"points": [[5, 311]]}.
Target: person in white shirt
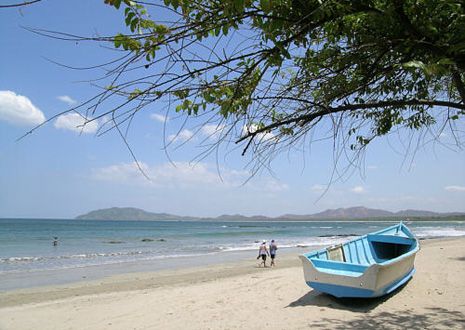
{"points": [[262, 253]]}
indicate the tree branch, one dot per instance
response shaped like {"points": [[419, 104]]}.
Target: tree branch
{"points": [[350, 107], [19, 4]]}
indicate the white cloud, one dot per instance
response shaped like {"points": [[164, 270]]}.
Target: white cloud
{"points": [[182, 136], [160, 118], [125, 172], [358, 190], [167, 175], [19, 110], [260, 136], [76, 123], [272, 186], [319, 188], [68, 100], [185, 175], [455, 188], [212, 131]]}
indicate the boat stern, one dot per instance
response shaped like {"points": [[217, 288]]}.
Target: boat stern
{"points": [[339, 279]]}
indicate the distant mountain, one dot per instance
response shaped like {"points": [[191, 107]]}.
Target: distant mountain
{"points": [[296, 217], [239, 217], [358, 212], [417, 213], [129, 213], [353, 212]]}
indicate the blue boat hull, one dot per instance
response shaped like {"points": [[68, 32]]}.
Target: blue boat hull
{"points": [[370, 266], [340, 291]]}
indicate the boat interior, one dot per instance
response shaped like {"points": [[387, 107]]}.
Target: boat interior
{"points": [[353, 257]]}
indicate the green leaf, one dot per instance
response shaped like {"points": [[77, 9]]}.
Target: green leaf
{"points": [[129, 18], [175, 3], [265, 5], [414, 64], [117, 3], [134, 23], [446, 61]]}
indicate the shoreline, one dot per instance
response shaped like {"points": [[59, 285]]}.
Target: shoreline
{"points": [[241, 295], [38, 278], [28, 260], [243, 264], [140, 280]]}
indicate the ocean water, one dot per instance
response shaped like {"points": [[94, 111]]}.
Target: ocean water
{"points": [[26, 245]]}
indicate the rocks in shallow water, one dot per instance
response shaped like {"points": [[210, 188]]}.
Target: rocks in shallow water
{"points": [[142, 240], [151, 240]]}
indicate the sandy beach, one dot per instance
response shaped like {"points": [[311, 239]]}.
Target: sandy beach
{"points": [[242, 296]]}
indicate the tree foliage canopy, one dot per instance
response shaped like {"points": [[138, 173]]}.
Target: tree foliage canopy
{"points": [[270, 72]]}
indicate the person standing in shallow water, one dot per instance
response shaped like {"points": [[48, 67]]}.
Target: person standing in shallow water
{"points": [[262, 253], [273, 248], [55, 241]]}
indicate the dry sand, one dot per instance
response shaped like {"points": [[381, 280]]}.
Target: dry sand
{"points": [[242, 296]]}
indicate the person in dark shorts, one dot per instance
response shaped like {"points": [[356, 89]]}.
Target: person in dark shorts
{"points": [[262, 253], [273, 248]]}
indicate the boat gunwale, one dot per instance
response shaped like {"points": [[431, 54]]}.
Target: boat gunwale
{"points": [[386, 263], [377, 279]]}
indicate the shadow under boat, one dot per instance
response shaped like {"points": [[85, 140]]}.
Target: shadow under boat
{"points": [[361, 305]]}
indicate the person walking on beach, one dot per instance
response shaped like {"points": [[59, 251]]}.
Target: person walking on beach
{"points": [[273, 248], [262, 253]]}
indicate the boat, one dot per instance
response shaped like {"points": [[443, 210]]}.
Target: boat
{"points": [[369, 266]]}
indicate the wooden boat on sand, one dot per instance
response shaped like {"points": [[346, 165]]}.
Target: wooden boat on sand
{"points": [[372, 265]]}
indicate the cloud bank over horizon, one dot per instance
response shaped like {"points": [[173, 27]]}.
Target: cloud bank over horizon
{"points": [[455, 188], [185, 176]]}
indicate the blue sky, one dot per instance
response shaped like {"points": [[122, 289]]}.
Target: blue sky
{"points": [[60, 172]]}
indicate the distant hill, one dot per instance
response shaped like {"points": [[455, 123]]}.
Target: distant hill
{"points": [[129, 213], [353, 212], [239, 217], [358, 212], [419, 213]]}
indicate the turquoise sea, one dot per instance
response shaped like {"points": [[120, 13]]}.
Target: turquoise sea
{"points": [[26, 245]]}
